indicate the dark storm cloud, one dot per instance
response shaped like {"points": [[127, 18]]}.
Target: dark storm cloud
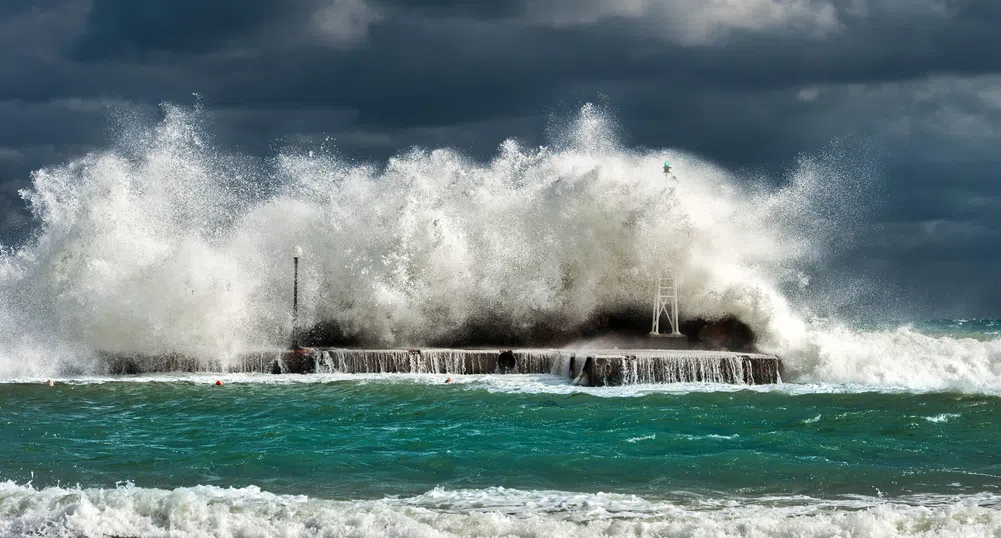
{"points": [[750, 84], [117, 28]]}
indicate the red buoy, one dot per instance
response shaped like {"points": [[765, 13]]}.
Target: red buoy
{"points": [[219, 382]]}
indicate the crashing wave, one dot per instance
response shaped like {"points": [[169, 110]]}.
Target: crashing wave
{"points": [[214, 511], [165, 245]]}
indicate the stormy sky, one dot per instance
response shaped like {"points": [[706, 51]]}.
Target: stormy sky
{"points": [[751, 84]]}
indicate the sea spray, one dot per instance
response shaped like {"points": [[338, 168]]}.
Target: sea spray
{"points": [[165, 244], [901, 358]]}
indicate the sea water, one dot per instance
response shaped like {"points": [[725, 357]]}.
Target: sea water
{"points": [[519, 455], [164, 244]]}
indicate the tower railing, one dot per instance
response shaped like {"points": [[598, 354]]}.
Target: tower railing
{"points": [[665, 301]]}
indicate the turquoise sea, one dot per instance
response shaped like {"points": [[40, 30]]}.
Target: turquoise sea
{"points": [[163, 243], [411, 455]]}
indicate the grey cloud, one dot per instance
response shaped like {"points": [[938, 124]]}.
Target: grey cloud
{"points": [[154, 29], [344, 22], [116, 28], [714, 22], [751, 85], [695, 22]]}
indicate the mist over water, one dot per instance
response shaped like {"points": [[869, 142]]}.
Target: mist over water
{"points": [[165, 244]]}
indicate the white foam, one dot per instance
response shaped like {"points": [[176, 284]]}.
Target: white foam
{"points": [[943, 417], [710, 436], [211, 511], [163, 244], [500, 384], [901, 358]]}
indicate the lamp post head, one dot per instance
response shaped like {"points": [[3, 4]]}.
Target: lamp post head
{"points": [[297, 252]]}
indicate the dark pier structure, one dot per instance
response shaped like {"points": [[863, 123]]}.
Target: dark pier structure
{"points": [[597, 368]]}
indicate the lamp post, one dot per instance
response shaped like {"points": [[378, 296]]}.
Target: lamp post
{"points": [[296, 254]]}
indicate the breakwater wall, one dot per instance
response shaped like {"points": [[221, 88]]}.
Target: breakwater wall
{"points": [[694, 367], [583, 367]]}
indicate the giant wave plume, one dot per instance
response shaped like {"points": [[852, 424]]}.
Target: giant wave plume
{"points": [[164, 243]]}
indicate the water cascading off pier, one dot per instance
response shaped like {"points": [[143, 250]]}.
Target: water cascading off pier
{"points": [[584, 367]]}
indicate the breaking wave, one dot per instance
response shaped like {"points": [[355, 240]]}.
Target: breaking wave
{"points": [[164, 244], [213, 511]]}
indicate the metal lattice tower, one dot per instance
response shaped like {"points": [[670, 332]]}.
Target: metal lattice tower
{"points": [[665, 301]]}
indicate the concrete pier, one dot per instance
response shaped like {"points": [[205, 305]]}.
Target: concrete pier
{"points": [[597, 368]]}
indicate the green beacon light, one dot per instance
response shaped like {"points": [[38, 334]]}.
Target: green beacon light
{"points": [[667, 167]]}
